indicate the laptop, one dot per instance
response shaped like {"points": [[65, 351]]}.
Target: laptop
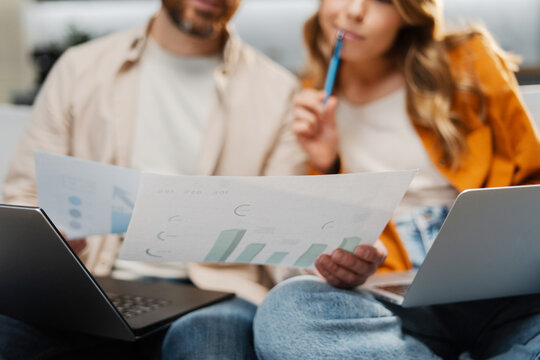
{"points": [[44, 283], [488, 247]]}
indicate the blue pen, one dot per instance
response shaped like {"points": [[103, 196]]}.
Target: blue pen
{"points": [[333, 67]]}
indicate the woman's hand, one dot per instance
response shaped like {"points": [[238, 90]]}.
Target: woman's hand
{"points": [[345, 270], [315, 127]]}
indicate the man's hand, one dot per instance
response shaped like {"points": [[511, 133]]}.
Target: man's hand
{"points": [[345, 270], [77, 245]]}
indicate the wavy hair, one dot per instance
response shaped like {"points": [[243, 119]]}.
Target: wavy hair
{"points": [[421, 52]]}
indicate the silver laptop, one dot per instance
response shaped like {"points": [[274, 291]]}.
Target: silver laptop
{"points": [[488, 247], [44, 283]]}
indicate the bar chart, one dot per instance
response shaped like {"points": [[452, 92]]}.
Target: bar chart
{"points": [[309, 257], [229, 240], [250, 252], [276, 258], [350, 243], [226, 243], [278, 221]]}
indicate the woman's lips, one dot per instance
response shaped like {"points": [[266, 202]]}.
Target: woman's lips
{"points": [[348, 35]]}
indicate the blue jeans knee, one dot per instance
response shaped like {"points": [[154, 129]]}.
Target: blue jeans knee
{"points": [[219, 331], [300, 318]]}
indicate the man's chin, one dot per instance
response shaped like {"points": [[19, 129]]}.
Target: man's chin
{"points": [[200, 31], [197, 23]]}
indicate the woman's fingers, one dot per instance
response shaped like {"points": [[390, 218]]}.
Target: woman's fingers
{"points": [[328, 114], [310, 99], [337, 275], [305, 122], [315, 128], [348, 270], [376, 254], [307, 113], [355, 264]]}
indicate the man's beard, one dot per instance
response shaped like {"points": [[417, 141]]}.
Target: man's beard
{"points": [[205, 26]]}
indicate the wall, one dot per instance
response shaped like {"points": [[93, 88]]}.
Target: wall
{"points": [[272, 26], [26, 23], [15, 66], [514, 23]]}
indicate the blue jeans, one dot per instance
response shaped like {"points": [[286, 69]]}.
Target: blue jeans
{"points": [[305, 318], [418, 229], [219, 331]]}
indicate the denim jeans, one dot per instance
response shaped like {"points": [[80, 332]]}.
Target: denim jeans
{"points": [[219, 331], [305, 318], [418, 229]]}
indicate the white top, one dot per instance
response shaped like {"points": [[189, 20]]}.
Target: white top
{"points": [[175, 98], [176, 95], [379, 136]]}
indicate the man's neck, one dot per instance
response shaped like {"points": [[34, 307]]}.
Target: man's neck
{"points": [[175, 41]]}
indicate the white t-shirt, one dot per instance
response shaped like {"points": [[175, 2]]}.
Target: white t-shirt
{"points": [[176, 95], [175, 98], [379, 136]]}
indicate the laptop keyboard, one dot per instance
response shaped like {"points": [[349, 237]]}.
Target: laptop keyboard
{"points": [[400, 289], [131, 305]]}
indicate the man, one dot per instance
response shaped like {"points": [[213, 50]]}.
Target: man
{"points": [[183, 95]]}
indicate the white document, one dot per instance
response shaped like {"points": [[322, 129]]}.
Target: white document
{"points": [[83, 197], [287, 221]]}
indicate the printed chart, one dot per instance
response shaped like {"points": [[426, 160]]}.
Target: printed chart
{"points": [[287, 221]]}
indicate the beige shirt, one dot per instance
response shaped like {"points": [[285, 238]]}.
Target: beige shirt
{"points": [[87, 108]]}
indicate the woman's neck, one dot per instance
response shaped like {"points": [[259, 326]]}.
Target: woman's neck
{"points": [[362, 83]]}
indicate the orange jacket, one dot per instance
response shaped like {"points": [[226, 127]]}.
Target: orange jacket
{"points": [[503, 149]]}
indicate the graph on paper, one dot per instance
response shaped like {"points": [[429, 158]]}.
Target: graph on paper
{"points": [[83, 197], [287, 221]]}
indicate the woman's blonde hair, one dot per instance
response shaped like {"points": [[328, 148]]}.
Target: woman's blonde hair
{"points": [[421, 52]]}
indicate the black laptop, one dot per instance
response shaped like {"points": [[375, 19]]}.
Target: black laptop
{"points": [[43, 282]]}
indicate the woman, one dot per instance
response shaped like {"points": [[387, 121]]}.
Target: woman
{"points": [[407, 96]]}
